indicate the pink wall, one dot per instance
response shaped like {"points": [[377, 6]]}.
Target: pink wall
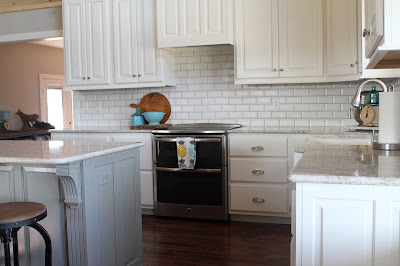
{"points": [[20, 66]]}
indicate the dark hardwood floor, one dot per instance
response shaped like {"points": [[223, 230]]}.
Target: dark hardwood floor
{"points": [[168, 241]]}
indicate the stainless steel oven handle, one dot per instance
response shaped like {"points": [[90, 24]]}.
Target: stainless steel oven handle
{"points": [[167, 169], [196, 139]]}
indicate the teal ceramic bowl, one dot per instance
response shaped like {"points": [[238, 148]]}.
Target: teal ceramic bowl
{"points": [[153, 118]]}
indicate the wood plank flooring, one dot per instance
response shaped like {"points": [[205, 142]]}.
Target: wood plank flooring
{"points": [[168, 241]]}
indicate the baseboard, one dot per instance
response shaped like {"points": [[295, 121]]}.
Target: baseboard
{"points": [[147, 211], [260, 219]]}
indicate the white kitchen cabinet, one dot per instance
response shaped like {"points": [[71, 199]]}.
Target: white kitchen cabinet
{"points": [[343, 55], [373, 31], [128, 58], [87, 42], [301, 38], [382, 35], [136, 57], [256, 44], [258, 170], [278, 39], [146, 159], [194, 22], [347, 224]]}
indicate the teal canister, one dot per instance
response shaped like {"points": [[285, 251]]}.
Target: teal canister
{"points": [[137, 118], [373, 96]]}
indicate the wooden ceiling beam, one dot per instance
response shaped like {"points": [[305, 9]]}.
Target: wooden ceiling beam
{"points": [[7, 6]]}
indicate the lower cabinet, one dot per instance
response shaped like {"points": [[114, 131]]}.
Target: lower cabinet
{"points": [[347, 224], [146, 159], [258, 169]]}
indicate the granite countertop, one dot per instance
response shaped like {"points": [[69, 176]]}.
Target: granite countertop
{"points": [[57, 152], [102, 130], [302, 130], [356, 164], [266, 129]]}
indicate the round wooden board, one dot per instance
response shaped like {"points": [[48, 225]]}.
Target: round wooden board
{"points": [[155, 102]]}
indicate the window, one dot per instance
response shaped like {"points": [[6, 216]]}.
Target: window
{"points": [[55, 102]]}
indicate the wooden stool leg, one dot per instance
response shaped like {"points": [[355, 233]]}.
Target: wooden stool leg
{"points": [[47, 241], [6, 238], [14, 236]]}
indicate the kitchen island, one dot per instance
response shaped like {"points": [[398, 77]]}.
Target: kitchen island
{"points": [[347, 200], [92, 194]]}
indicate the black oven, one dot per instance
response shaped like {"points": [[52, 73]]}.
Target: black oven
{"points": [[193, 193]]}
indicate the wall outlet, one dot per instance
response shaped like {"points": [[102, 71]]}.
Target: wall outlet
{"points": [[275, 104]]}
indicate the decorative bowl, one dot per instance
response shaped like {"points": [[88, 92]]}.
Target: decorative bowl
{"points": [[153, 118]]}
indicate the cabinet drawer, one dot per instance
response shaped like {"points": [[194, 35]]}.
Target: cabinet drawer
{"points": [[258, 146], [259, 170], [274, 198]]}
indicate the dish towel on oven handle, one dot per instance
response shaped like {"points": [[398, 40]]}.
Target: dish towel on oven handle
{"points": [[186, 149]]}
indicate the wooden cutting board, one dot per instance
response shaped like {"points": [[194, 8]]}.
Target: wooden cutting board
{"points": [[155, 102]]}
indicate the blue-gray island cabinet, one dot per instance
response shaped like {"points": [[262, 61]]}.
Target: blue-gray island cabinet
{"points": [[92, 194]]}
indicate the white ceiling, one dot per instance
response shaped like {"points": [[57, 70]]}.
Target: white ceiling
{"points": [[52, 42]]}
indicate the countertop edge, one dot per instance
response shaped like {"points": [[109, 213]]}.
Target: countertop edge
{"points": [[71, 158]]}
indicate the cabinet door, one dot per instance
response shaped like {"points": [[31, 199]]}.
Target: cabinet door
{"points": [[125, 42], [373, 25], [301, 38], [190, 18], [256, 41], [74, 42], [194, 22], [168, 28], [217, 20], [149, 61], [342, 45], [97, 41]]}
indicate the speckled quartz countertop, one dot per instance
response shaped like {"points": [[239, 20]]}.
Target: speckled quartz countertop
{"points": [[350, 161], [57, 152], [102, 130], [265, 129]]}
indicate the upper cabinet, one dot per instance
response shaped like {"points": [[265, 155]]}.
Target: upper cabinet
{"points": [[342, 45], [282, 41], [301, 34], [194, 22], [373, 31], [87, 42], [128, 58], [382, 34], [278, 39]]}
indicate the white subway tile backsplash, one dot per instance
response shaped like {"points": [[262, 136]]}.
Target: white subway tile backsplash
{"points": [[205, 92]]}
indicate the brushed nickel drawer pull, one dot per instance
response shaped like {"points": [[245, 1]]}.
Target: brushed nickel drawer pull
{"points": [[257, 148], [258, 200], [257, 172]]}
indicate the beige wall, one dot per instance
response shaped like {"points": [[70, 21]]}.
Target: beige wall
{"points": [[20, 66]]}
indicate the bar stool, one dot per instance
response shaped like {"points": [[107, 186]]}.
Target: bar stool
{"points": [[14, 215]]}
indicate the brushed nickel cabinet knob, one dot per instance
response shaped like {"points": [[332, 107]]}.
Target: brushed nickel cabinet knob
{"points": [[281, 69], [139, 75], [257, 148], [258, 200], [134, 75], [257, 172], [366, 32]]}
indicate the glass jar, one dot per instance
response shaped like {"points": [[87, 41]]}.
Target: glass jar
{"points": [[373, 96]]}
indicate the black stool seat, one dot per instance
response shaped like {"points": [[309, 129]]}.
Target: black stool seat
{"points": [[14, 215]]}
